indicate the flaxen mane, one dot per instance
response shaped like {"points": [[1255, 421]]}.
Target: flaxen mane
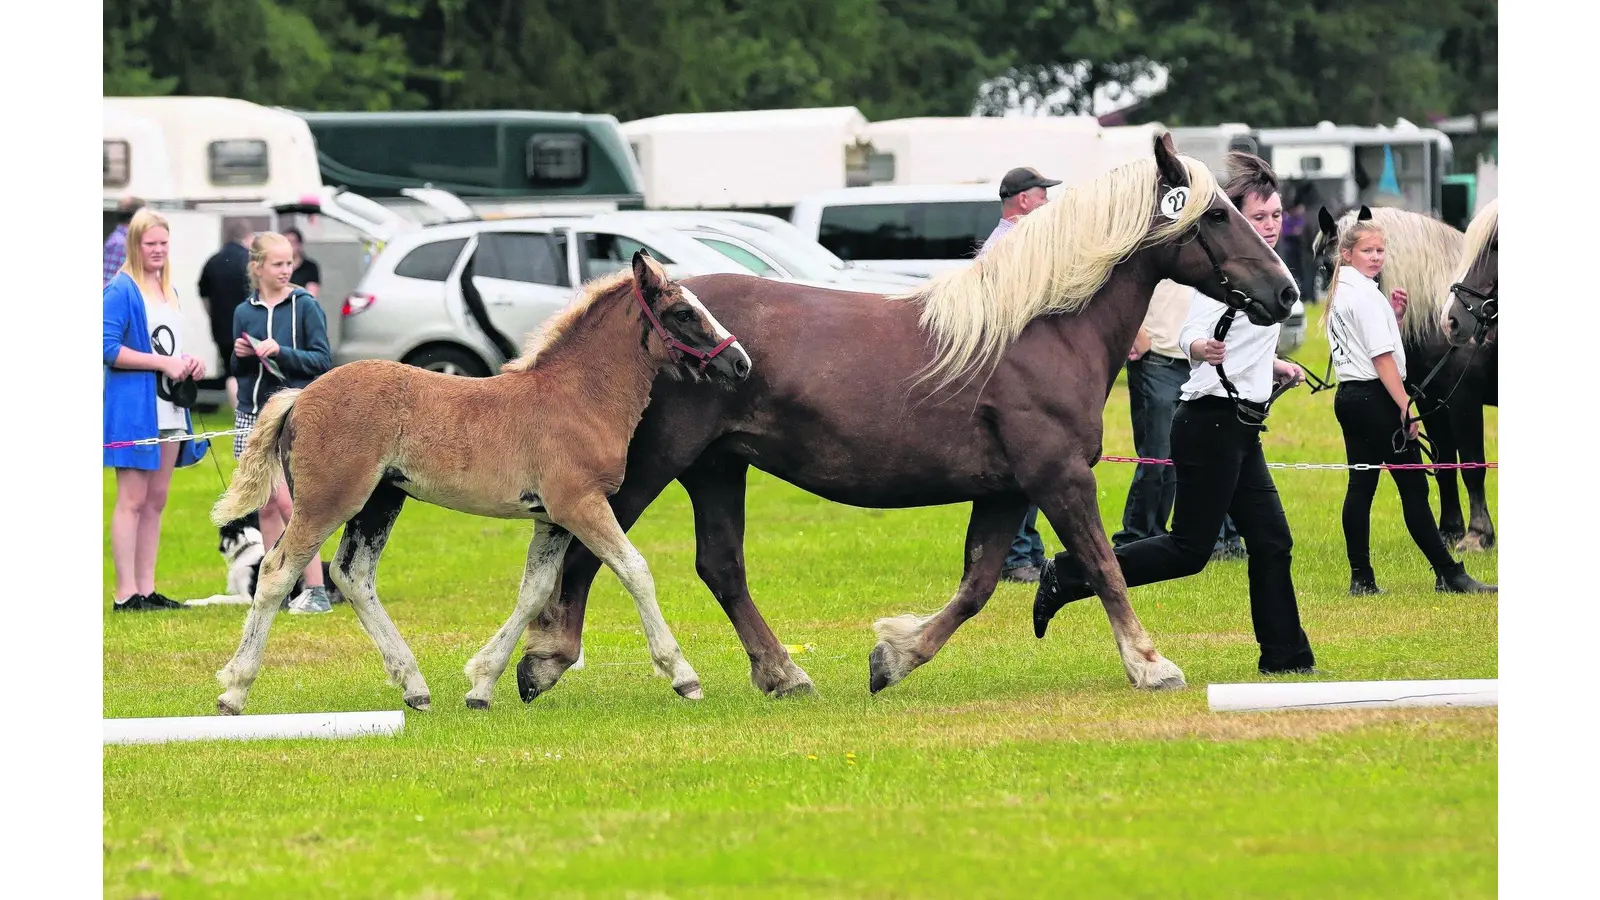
{"points": [[1420, 255], [558, 324], [1053, 261], [1483, 227]]}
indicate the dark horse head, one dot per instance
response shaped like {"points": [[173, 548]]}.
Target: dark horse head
{"points": [[1225, 260], [1325, 247], [1474, 309], [683, 329]]}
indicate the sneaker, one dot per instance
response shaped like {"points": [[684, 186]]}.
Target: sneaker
{"points": [[132, 604], [158, 600], [1303, 670], [313, 600], [1021, 575]]}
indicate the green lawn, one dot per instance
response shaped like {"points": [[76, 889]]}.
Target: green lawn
{"points": [[1006, 767]]}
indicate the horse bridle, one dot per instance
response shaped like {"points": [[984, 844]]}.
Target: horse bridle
{"points": [[1236, 301], [675, 346], [1483, 307]]}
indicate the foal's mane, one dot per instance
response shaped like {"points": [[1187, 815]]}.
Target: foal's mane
{"points": [[1483, 227], [1053, 261], [1420, 257], [586, 306]]}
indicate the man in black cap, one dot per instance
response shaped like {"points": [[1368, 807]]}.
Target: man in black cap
{"points": [[1021, 192]]}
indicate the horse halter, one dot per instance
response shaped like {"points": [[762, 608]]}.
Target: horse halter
{"points": [[675, 346], [1483, 307], [1236, 301]]}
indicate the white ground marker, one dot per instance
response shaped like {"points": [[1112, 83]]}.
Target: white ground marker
{"points": [[244, 728], [1260, 697]]}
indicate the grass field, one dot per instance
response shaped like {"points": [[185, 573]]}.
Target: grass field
{"points": [[1008, 766]]}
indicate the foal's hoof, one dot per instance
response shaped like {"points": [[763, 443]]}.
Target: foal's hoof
{"points": [[419, 702], [223, 709], [690, 690], [475, 703], [800, 688], [1475, 541], [1161, 675]]}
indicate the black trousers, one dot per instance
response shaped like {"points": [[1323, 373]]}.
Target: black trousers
{"points": [[1369, 418], [1221, 471]]}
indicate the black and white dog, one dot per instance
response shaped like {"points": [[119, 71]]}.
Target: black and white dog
{"points": [[242, 549]]}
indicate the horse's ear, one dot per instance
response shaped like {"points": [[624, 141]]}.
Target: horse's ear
{"points": [[648, 274], [1364, 215], [1168, 165], [1326, 224]]}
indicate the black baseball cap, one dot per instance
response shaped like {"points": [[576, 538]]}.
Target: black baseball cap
{"points": [[1022, 178]]}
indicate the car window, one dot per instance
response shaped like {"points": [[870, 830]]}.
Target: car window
{"points": [[933, 230], [532, 258], [432, 261], [604, 254], [740, 255]]}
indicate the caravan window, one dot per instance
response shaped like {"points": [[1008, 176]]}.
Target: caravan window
{"points": [[238, 162], [557, 159], [939, 230], [116, 164]]}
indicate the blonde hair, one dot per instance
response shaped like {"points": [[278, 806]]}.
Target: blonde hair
{"points": [[1053, 261], [1347, 242], [1484, 225], [259, 248], [144, 220]]}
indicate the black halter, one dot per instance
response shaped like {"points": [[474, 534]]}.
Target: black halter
{"points": [[1236, 301], [1483, 307]]}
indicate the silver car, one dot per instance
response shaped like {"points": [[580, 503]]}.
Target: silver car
{"points": [[409, 305]]}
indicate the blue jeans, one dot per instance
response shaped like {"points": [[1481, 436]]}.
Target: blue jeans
{"points": [[1027, 548], [1155, 384]]}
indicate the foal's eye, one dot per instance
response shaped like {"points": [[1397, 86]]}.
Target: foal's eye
{"points": [[684, 315]]}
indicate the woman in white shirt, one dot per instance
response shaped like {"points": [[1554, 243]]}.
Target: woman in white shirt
{"points": [[1371, 405], [1219, 464]]}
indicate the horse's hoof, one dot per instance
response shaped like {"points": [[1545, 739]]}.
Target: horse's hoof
{"points": [[525, 687], [1474, 542], [223, 709], [690, 690], [475, 703], [878, 668], [419, 702], [801, 688], [1164, 675]]}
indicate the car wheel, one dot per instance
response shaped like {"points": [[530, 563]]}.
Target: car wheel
{"points": [[449, 361]]}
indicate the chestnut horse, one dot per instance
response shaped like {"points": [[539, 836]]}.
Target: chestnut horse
{"points": [[987, 386], [546, 440]]}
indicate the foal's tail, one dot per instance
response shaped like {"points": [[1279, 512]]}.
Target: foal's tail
{"points": [[259, 465]]}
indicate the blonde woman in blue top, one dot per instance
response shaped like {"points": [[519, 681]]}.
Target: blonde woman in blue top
{"points": [[142, 349]]}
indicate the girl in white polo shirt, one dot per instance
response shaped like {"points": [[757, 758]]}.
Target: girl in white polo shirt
{"points": [[1371, 405]]}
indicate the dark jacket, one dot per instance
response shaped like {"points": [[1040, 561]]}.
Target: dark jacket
{"points": [[301, 330], [224, 283]]}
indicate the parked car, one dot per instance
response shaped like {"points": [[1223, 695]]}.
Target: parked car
{"points": [[912, 229], [409, 304]]}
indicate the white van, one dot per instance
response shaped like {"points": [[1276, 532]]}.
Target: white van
{"points": [[911, 229]]}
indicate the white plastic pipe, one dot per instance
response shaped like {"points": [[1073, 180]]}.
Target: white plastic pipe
{"points": [[1352, 694], [244, 728]]}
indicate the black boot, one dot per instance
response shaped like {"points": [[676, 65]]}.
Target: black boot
{"points": [[1363, 583], [1455, 580], [1061, 581]]}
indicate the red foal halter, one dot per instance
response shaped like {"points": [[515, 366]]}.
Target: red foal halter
{"points": [[673, 344]]}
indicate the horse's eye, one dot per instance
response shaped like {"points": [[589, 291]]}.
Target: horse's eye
{"points": [[1217, 216], [684, 315]]}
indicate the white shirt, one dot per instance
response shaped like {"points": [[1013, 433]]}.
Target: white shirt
{"points": [[166, 330], [1251, 349], [1169, 306], [995, 235], [1361, 325]]}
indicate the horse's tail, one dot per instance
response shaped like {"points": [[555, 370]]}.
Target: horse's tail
{"points": [[259, 465]]}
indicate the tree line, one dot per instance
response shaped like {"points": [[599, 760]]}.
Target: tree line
{"points": [[1264, 62]]}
